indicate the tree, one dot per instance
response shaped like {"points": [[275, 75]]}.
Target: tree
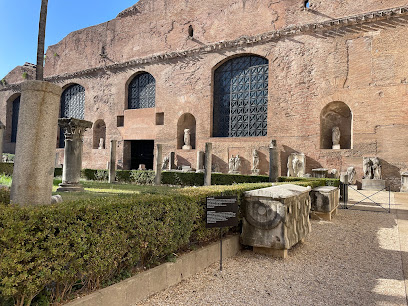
{"points": [[39, 73]]}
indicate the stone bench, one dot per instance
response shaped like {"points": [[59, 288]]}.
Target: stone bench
{"points": [[325, 200], [275, 218]]}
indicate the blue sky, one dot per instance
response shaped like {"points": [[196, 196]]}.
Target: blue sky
{"points": [[19, 25]]}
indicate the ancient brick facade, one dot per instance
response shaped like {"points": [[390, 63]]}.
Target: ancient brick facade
{"points": [[340, 59]]}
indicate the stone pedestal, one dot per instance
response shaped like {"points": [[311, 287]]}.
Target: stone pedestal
{"points": [[336, 147], [2, 128], [208, 164], [404, 182], [320, 172], [324, 202], [372, 184], [159, 160], [255, 172], [112, 162], [35, 148], [276, 218], [73, 130], [187, 147]]}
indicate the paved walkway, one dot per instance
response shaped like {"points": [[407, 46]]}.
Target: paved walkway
{"points": [[359, 258]]}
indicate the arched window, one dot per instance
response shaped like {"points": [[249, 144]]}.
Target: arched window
{"points": [[142, 91], [72, 105], [99, 134], [241, 97], [14, 118], [336, 126]]}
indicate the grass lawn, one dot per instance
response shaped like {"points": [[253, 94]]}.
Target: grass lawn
{"points": [[97, 189]]}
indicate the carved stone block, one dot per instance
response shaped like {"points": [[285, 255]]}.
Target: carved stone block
{"points": [[324, 201], [276, 217]]}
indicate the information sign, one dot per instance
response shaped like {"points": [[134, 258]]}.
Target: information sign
{"points": [[222, 212]]}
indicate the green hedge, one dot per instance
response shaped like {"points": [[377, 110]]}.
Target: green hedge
{"points": [[323, 181], [6, 168], [84, 244]]}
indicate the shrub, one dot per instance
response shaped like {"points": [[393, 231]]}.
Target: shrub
{"points": [[6, 168], [142, 177], [123, 176], [89, 242], [101, 175], [323, 181]]}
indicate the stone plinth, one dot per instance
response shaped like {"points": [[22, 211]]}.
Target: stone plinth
{"points": [[73, 130], [324, 202], [320, 172], [404, 182], [372, 184], [336, 147], [276, 218], [35, 148]]}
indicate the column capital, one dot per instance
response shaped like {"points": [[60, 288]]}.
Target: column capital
{"points": [[74, 128]]}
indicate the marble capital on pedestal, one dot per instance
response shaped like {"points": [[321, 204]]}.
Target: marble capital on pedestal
{"points": [[73, 132]]}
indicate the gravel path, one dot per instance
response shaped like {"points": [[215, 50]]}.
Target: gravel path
{"points": [[353, 260]]}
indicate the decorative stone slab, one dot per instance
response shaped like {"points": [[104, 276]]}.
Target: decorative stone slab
{"points": [[320, 172], [371, 184], [324, 202], [276, 218]]}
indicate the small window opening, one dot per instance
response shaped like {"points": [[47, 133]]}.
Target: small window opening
{"points": [[307, 4], [159, 118], [120, 121], [190, 31]]}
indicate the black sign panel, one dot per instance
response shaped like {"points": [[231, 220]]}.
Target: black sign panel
{"points": [[222, 212]]}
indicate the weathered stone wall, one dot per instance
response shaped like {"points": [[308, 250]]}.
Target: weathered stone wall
{"points": [[363, 64]]}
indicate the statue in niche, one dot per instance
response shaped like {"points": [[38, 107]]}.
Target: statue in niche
{"points": [[351, 172], [165, 163], [336, 137], [233, 164], [101, 143], [255, 162], [187, 140], [376, 168]]}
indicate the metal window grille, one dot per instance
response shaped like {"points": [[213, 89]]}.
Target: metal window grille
{"points": [[14, 119], [142, 91], [72, 105], [241, 98]]}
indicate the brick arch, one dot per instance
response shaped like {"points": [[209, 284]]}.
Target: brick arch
{"points": [[240, 96], [141, 91], [336, 114], [186, 121]]}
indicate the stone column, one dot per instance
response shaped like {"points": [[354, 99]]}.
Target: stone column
{"points": [[112, 163], [2, 128], [35, 148], [200, 161], [172, 162], [208, 164], [273, 162], [159, 160], [71, 172]]}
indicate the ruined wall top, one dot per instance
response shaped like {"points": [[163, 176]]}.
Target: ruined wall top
{"points": [[158, 26], [18, 75]]}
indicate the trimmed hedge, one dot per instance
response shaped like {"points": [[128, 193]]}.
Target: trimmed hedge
{"points": [[323, 181], [6, 168], [83, 244]]}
